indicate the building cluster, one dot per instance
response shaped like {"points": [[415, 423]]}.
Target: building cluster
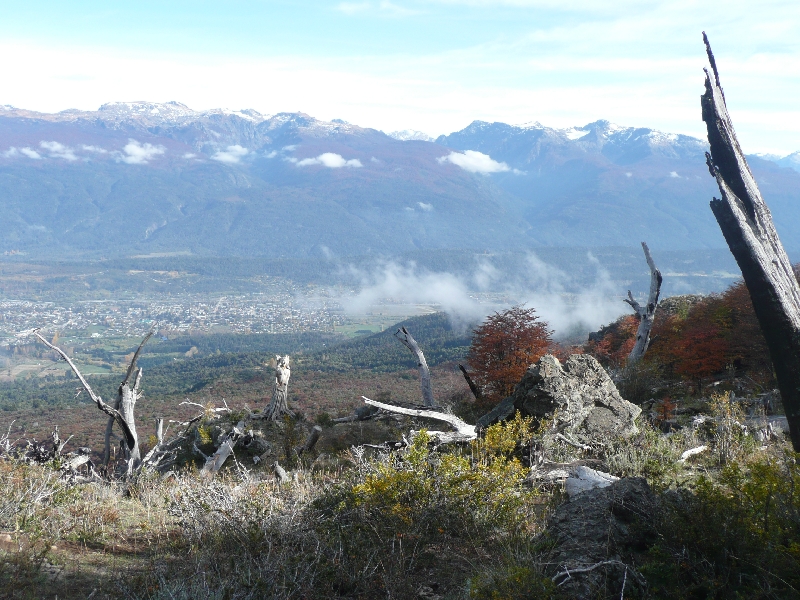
{"points": [[251, 313]]}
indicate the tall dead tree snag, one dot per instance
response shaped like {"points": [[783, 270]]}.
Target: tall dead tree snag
{"points": [[126, 403], [746, 223], [409, 342], [123, 412], [645, 313], [278, 405]]}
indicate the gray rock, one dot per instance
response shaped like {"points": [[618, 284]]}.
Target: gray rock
{"points": [[597, 537], [580, 394]]}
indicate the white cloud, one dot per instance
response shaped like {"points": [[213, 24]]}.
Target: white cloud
{"points": [[30, 153], [232, 155], [95, 149], [140, 154], [425, 207], [11, 152], [474, 162], [674, 175], [563, 303], [272, 154], [330, 160], [629, 175], [58, 150], [189, 155]]}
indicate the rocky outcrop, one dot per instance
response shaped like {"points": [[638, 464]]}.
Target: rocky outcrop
{"points": [[579, 395], [597, 538]]}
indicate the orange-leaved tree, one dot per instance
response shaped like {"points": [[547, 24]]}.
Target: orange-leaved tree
{"points": [[503, 347]]}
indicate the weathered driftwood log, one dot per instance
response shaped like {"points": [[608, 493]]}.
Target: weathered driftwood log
{"points": [[278, 405], [409, 342], [746, 223], [464, 431], [215, 461], [645, 313], [130, 436]]}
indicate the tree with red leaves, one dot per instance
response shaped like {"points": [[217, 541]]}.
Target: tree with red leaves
{"points": [[503, 348]]}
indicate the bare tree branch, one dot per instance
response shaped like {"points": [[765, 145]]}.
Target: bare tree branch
{"points": [[130, 438], [409, 342]]}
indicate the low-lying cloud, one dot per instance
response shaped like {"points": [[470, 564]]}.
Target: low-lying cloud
{"points": [[330, 160], [231, 155], [469, 298], [136, 153], [474, 162], [58, 150]]}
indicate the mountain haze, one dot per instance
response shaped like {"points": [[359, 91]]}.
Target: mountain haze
{"points": [[143, 178]]}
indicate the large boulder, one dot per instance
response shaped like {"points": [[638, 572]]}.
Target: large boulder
{"points": [[598, 538], [580, 396]]}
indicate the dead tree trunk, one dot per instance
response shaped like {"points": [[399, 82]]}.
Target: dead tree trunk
{"points": [[746, 223], [409, 342], [123, 411], [278, 405], [645, 313], [130, 436], [126, 404]]}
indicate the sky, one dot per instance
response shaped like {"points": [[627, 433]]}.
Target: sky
{"points": [[433, 66]]}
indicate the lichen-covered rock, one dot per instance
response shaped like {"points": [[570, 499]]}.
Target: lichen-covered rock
{"points": [[581, 396]]}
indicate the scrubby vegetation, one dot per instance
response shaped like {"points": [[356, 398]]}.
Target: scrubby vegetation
{"points": [[460, 522]]}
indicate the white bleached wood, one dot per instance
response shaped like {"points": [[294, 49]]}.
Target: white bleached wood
{"points": [[278, 405], [645, 313], [692, 452], [409, 342], [130, 437], [464, 431], [214, 462]]}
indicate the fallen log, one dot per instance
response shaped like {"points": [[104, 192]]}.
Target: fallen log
{"points": [[464, 431]]}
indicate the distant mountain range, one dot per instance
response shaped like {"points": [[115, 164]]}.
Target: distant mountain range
{"points": [[143, 178]]}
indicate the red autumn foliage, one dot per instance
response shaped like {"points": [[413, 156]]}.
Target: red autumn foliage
{"points": [[696, 340], [503, 348], [615, 342]]}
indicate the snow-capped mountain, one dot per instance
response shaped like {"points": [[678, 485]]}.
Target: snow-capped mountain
{"points": [[240, 183], [410, 135]]}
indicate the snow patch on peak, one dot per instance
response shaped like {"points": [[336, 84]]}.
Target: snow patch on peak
{"points": [[407, 135]]}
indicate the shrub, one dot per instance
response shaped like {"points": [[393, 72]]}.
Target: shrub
{"points": [[738, 537]]}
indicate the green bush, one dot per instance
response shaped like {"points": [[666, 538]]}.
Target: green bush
{"points": [[738, 537]]}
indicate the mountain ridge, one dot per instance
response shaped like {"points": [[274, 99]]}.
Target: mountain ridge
{"points": [[239, 183]]}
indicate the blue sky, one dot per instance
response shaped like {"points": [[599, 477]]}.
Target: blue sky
{"points": [[429, 65]]}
